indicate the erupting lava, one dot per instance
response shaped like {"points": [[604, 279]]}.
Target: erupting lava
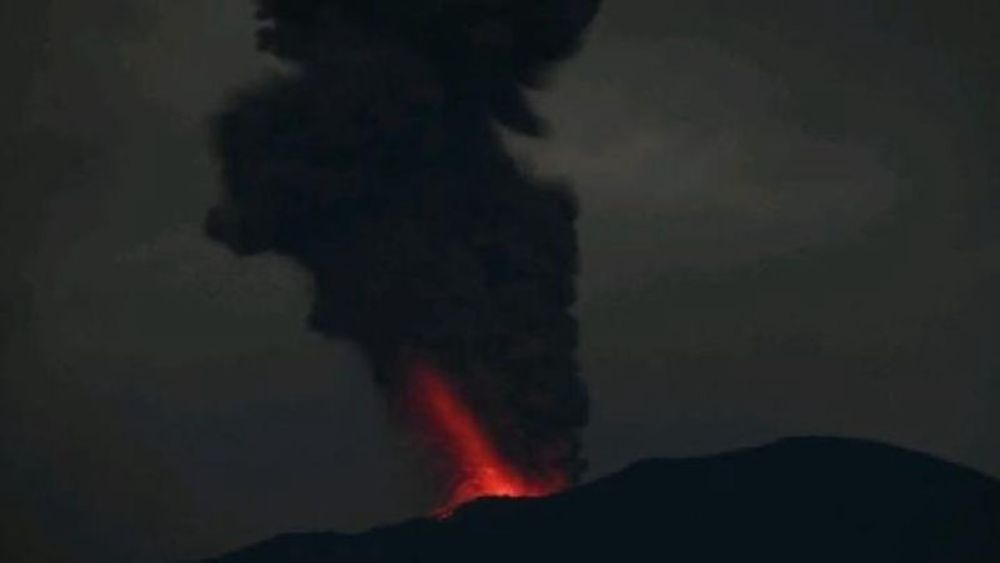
{"points": [[478, 467]]}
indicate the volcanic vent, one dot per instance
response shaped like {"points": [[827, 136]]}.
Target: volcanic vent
{"points": [[376, 163]]}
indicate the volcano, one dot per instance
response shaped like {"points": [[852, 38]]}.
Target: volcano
{"points": [[477, 467], [796, 500]]}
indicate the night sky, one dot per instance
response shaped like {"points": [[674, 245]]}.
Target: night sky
{"points": [[790, 225]]}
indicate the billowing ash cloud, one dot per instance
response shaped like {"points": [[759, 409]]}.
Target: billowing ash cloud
{"points": [[376, 163]]}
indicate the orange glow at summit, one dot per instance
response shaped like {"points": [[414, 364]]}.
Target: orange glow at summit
{"points": [[477, 467]]}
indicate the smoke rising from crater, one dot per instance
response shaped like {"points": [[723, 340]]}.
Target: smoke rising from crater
{"points": [[376, 163]]}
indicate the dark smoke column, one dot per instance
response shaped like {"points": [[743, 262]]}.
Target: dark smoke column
{"points": [[375, 162]]}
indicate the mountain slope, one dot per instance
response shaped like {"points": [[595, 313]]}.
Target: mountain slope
{"points": [[796, 500]]}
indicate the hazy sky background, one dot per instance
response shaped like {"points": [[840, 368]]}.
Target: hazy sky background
{"points": [[790, 226]]}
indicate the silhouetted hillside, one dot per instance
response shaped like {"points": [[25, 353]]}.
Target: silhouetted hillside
{"points": [[797, 500]]}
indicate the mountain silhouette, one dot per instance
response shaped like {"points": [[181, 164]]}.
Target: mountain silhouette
{"points": [[801, 500]]}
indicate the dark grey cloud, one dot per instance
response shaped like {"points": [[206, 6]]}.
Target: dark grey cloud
{"points": [[787, 228], [123, 410], [789, 225]]}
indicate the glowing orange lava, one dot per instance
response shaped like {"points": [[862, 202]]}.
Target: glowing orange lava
{"points": [[478, 467]]}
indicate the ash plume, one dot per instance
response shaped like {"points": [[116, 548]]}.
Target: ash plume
{"points": [[376, 163]]}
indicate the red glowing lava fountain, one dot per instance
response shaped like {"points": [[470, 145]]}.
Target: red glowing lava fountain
{"points": [[476, 466]]}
